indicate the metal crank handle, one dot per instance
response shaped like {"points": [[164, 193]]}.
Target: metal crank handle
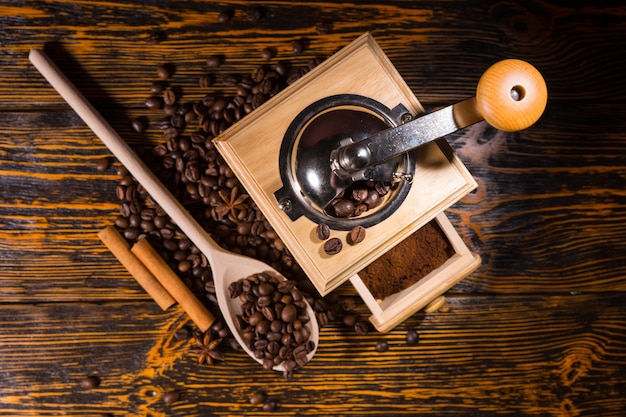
{"points": [[511, 95]]}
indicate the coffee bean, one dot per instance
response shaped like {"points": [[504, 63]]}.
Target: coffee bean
{"points": [[281, 69], [343, 208], [132, 233], [412, 338], [348, 303], [169, 97], [182, 334], [268, 53], [154, 103], [298, 46], [349, 320], [357, 235], [205, 81], [90, 382], [225, 16], [139, 124], [289, 313], [373, 199], [157, 87], [322, 231], [333, 246], [382, 346], [121, 222], [165, 71], [270, 406], [171, 397], [258, 397], [361, 328], [103, 164], [359, 194], [215, 61]]}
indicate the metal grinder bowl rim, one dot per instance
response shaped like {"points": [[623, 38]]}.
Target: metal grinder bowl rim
{"points": [[292, 199]]}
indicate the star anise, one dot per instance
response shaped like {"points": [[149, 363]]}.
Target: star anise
{"points": [[207, 348], [230, 203]]}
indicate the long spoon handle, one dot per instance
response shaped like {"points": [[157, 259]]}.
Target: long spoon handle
{"points": [[122, 152]]}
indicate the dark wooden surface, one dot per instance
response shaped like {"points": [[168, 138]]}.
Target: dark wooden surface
{"points": [[539, 329]]}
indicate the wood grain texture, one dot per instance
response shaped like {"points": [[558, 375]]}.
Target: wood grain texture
{"points": [[558, 355], [537, 330]]}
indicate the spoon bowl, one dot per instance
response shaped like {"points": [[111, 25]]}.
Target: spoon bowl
{"points": [[227, 267]]}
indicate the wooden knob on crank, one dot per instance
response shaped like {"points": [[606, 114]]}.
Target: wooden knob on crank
{"points": [[511, 95]]}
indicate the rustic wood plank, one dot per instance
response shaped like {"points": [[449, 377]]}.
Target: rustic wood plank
{"points": [[489, 355], [436, 47], [543, 195]]}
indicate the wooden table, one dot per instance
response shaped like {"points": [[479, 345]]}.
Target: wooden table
{"points": [[538, 329]]}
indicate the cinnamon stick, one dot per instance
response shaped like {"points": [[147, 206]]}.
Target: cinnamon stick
{"points": [[197, 311], [121, 250]]}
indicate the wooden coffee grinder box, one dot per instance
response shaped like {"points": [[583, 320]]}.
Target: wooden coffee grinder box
{"points": [[257, 151]]}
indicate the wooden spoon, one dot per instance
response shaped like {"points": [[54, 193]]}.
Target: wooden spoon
{"points": [[226, 266]]}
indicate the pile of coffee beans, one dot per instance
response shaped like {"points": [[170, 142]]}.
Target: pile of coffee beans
{"points": [[359, 198], [274, 321], [188, 163], [190, 166]]}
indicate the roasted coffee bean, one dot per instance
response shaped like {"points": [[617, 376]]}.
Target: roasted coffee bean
{"points": [[169, 97], [225, 16], [165, 71], [289, 313], [359, 194], [333, 246], [343, 208], [361, 328], [382, 346], [157, 87], [154, 103], [298, 46], [171, 397], [382, 189], [373, 199], [348, 304], [281, 69], [121, 222], [349, 320], [90, 382], [357, 235], [122, 171], [258, 397], [182, 334], [268, 53], [205, 81], [412, 338], [132, 233], [139, 124], [270, 406], [215, 61], [103, 164]]}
